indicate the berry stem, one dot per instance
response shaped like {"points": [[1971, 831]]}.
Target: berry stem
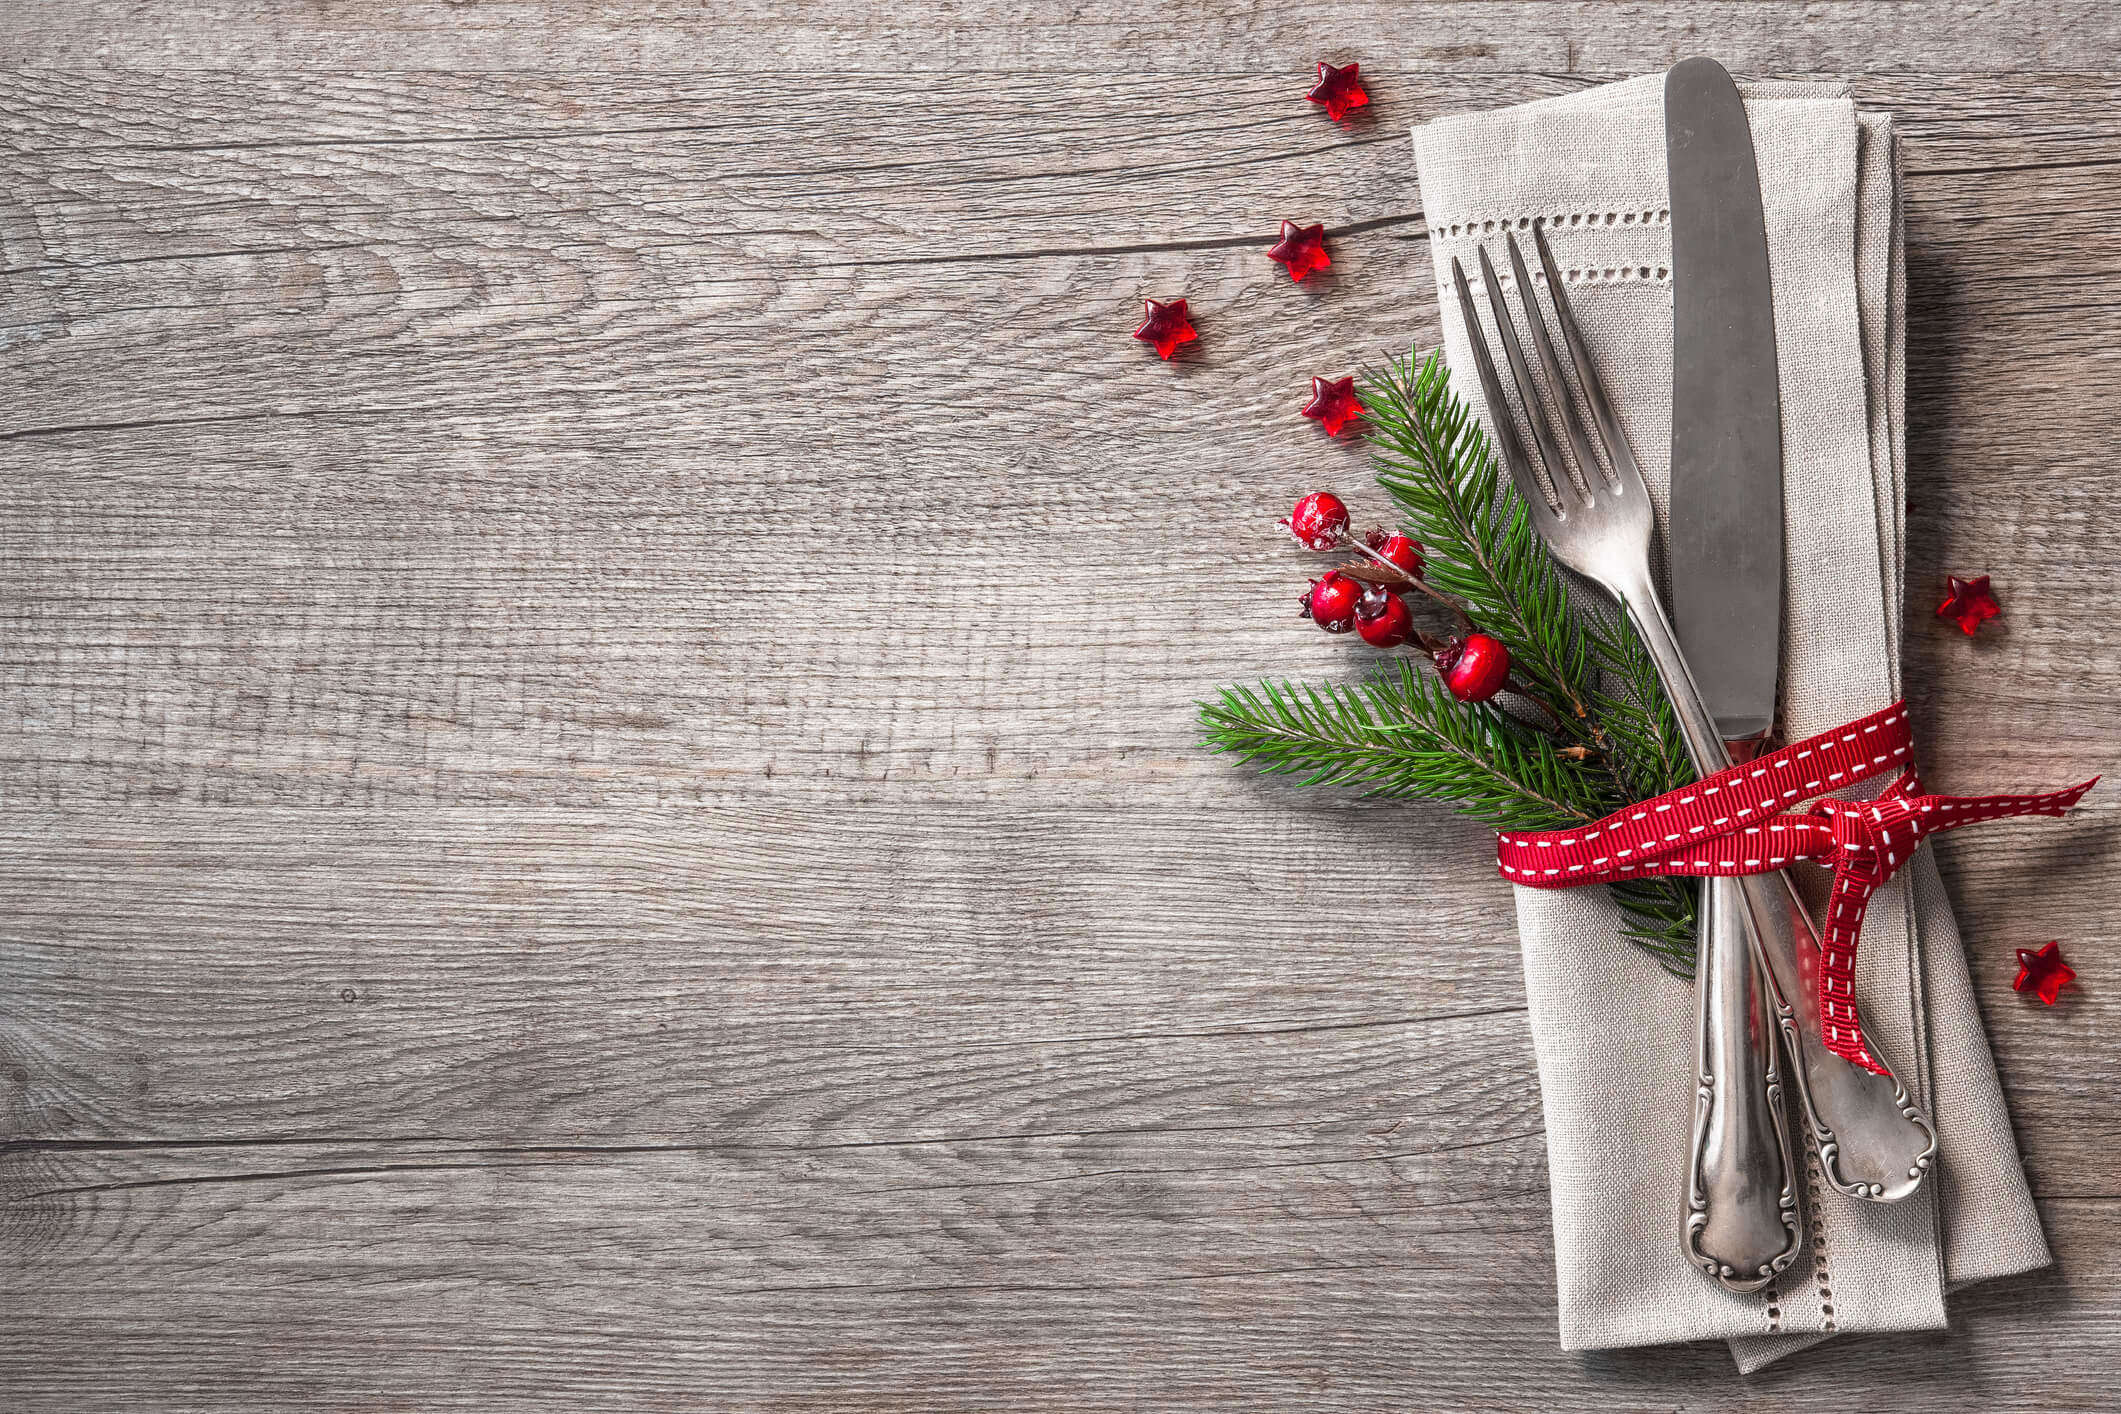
{"points": [[1465, 621]]}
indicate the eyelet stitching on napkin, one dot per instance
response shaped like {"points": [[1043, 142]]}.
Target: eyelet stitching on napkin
{"points": [[1820, 1271], [1567, 220], [1591, 275], [1558, 221]]}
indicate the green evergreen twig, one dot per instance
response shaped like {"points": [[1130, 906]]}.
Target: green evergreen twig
{"points": [[1401, 734]]}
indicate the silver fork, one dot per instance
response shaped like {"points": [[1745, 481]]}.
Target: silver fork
{"points": [[1871, 1139], [1741, 1221]]}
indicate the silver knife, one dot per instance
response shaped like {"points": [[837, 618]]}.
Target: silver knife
{"points": [[1726, 554]]}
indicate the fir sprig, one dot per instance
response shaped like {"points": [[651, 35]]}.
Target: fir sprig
{"points": [[1401, 735], [1432, 457], [1613, 738]]}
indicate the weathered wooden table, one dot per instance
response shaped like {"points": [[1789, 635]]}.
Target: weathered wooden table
{"points": [[600, 629]]}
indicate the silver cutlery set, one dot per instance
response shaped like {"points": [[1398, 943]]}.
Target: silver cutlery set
{"points": [[1757, 1013]]}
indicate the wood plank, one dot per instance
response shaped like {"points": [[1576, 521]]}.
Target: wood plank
{"points": [[759, 37], [630, 975], [912, 1277], [191, 974]]}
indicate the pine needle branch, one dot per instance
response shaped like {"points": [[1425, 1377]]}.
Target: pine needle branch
{"points": [[1433, 459], [1401, 735]]}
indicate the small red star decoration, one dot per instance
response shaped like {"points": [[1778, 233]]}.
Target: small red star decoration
{"points": [[1301, 248], [1969, 602], [1338, 90], [1333, 403], [2043, 973], [1165, 326]]}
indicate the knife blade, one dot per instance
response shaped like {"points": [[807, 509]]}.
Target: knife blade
{"points": [[1725, 540]]}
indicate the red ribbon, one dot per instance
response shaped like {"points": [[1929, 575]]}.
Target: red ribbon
{"points": [[1729, 824]]}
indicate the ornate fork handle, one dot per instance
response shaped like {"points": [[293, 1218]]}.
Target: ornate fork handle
{"points": [[1742, 1224]]}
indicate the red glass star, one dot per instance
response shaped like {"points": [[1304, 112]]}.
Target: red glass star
{"points": [[1333, 403], [1969, 602], [2043, 973], [1338, 90], [1301, 248], [1165, 327]]}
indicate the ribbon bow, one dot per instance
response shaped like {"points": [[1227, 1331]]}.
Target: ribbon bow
{"points": [[1729, 823]]}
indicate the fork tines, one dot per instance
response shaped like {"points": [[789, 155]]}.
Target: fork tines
{"points": [[1560, 488]]}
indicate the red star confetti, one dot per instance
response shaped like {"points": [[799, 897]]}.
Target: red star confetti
{"points": [[1301, 248], [1338, 90], [2043, 973], [1333, 403], [1968, 602], [1165, 326]]}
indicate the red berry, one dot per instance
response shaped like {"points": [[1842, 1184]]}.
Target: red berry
{"points": [[1318, 521], [1474, 668], [1382, 619], [1331, 602], [1398, 549]]}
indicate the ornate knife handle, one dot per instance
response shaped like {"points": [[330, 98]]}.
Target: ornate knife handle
{"points": [[1874, 1141]]}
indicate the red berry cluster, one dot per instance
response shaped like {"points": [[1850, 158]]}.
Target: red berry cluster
{"points": [[1371, 598]]}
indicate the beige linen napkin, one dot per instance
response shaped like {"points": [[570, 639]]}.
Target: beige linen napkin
{"points": [[1611, 1032]]}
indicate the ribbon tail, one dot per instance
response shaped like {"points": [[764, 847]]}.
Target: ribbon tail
{"points": [[1939, 813], [1839, 1023], [1891, 826]]}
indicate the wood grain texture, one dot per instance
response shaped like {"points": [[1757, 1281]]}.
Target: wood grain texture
{"points": [[600, 626]]}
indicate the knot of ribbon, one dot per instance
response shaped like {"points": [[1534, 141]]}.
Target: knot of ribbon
{"points": [[1738, 821]]}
